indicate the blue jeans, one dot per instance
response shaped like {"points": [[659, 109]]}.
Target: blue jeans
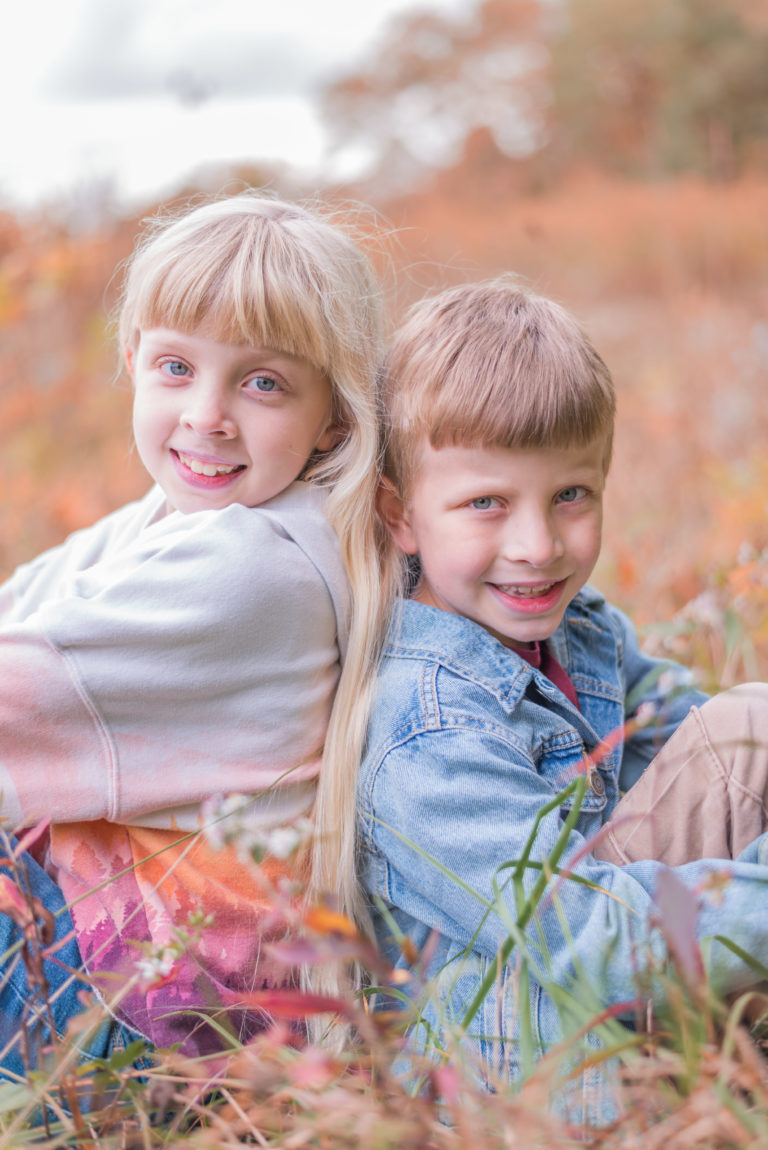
{"points": [[28, 1012]]}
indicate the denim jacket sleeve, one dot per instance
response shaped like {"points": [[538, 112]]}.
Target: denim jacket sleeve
{"points": [[448, 799]]}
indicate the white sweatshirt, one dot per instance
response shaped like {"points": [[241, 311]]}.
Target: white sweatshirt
{"points": [[149, 662], [154, 659]]}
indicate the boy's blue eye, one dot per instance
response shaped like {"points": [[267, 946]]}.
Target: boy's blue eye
{"points": [[482, 503], [263, 383], [571, 494]]}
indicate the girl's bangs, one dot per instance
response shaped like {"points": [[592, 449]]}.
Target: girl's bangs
{"points": [[234, 309]]}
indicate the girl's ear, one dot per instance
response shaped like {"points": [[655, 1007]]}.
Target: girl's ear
{"points": [[394, 514], [128, 359]]}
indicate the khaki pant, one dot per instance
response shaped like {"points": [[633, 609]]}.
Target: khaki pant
{"points": [[705, 795]]}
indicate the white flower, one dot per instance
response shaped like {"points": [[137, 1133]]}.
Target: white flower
{"points": [[645, 714], [281, 842], [236, 821], [156, 965], [705, 610], [747, 554], [667, 682]]}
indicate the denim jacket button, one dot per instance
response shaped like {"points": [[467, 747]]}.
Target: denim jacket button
{"points": [[597, 784]]}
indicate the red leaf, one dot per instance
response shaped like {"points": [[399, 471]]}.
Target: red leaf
{"points": [[32, 835], [678, 910], [284, 1002], [13, 903]]}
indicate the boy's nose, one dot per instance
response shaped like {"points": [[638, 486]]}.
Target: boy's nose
{"points": [[535, 540], [206, 413]]}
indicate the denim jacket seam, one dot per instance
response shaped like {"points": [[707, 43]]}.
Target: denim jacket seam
{"points": [[519, 679], [585, 623], [598, 689], [460, 721], [561, 741], [429, 695]]}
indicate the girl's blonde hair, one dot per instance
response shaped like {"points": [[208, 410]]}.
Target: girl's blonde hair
{"points": [[489, 364], [257, 270]]}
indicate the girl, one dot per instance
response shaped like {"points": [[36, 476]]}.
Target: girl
{"points": [[190, 644]]}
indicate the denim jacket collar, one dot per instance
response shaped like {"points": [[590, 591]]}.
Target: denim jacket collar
{"points": [[456, 642], [466, 648]]}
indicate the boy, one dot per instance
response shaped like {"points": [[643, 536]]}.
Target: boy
{"points": [[506, 678]]}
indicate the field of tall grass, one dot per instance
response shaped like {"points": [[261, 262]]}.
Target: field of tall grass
{"points": [[670, 282], [693, 1074]]}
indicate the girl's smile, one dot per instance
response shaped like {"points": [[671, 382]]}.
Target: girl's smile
{"points": [[205, 466], [205, 474], [218, 423]]}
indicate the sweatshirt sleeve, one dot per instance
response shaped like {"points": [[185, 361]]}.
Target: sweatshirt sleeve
{"points": [[45, 576], [201, 658]]}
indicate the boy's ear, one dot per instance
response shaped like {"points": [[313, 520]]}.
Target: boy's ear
{"points": [[330, 437], [393, 512]]}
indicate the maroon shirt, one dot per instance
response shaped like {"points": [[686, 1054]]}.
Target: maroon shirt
{"points": [[540, 657]]}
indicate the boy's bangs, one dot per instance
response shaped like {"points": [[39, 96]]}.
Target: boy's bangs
{"points": [[516, 416], [515, 396]]}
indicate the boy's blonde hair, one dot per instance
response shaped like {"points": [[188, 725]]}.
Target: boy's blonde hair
{"points": [[491, 364], [256, 270]]}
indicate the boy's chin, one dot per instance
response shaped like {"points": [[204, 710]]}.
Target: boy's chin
{"points": [[526, 638]]}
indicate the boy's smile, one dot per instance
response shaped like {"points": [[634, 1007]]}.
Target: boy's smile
{"points": [[505, 537], [218, 423]]}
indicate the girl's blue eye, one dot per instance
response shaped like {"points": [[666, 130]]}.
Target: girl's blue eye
{"points": [[175, 368], [482, 503], [263, 383], [571, 494]]}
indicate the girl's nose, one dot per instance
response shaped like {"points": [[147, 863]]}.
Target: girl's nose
{"points": [[206, 413]]}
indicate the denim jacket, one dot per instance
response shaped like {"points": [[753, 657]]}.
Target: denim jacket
{"points": [[467, 745]]}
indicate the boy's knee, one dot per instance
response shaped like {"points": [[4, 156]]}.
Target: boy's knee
{"points": [[746, 698], [738, 718]]}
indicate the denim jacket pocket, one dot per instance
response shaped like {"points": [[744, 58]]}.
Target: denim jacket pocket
{"points": [[594, 801], [499, 1046]]}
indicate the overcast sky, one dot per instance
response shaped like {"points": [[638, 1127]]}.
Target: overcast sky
{"points": [[140, 93]]}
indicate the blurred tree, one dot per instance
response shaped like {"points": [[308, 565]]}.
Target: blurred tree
{"points": [[648, 87], [434, 80], [655, 87]]}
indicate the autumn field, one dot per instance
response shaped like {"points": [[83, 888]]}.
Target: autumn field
{"points": [[614, 156], [670, 281]]}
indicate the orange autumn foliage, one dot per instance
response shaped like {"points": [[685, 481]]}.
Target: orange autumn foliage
{"points": [[669, 280]]}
